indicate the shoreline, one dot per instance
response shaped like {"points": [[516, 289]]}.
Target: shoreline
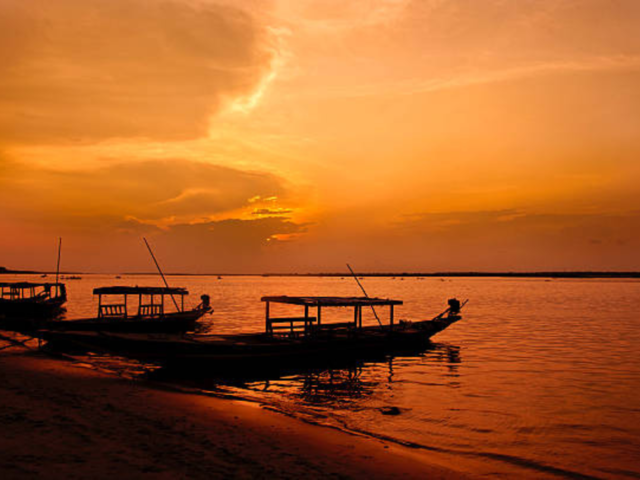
{"points": [[61, 419]]}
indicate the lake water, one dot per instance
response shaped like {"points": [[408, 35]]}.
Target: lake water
{"points": [[540, 379]]}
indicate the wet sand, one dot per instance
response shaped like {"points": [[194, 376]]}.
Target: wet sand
{"points": [[60, 420]]}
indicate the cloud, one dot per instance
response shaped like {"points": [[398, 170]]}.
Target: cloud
{"points": [[520, 224], [153, 190], [231, 236], [88, 70], [271, 211], [514, 239], [231, 245], [528, 29], [102, 214], [490, 240], [337, 14], [112, 244], [420, 45]]}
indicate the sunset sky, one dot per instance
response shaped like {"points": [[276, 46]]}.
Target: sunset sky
{"points": [[298, 135]]}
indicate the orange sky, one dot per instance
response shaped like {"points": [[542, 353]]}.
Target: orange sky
{"points": [[297, 135]]}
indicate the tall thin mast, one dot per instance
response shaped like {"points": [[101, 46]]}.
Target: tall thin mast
{"points": [[160, 271], [365, 293], [58, 265]]}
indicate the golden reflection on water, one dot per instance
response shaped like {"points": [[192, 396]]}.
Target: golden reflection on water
{"points": [[539, 379]]}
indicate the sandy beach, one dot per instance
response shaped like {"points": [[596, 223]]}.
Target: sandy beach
{"points": [[62, 420]]}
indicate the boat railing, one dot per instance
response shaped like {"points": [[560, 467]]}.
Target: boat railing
{"points": [[32, 291], [289, 326], [151, 310], [9, 294], [309, 326], [150, 301], [113, 310]]}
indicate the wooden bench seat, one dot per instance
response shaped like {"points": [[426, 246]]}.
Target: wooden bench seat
{"points": [[113, 310], [154, 310], [290, 326]]}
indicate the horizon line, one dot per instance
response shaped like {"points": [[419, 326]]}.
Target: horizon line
{"points": [[470, 273]]}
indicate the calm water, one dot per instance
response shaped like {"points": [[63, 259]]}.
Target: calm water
{"points": [[540, 379]]}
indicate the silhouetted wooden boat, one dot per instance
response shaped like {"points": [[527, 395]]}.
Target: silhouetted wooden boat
{"points": [[22, 303], [150, 316], [290, 339]]}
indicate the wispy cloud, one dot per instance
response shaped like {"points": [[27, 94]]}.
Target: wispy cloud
{"points": [[87, 70], [620, 63], [161, 191], [271, 212]]}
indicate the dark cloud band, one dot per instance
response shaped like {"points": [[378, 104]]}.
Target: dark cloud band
{"points": [[87, 70]]}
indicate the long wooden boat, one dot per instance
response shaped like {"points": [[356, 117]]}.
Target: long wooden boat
{"points": [[23, 302], [151, 316], [285, 340]]}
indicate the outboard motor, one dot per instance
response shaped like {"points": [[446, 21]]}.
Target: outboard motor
{"points": [[454, 306], [206, 302]]}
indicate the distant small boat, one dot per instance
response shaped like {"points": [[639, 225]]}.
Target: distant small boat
{"points": [[23, 303], [72, 277], [219, 277], [150, 316]]}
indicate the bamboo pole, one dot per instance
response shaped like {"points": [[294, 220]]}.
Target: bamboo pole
{"points": [[58, 266], [160, 271], [365, 293]]}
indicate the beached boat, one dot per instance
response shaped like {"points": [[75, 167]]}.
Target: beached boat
{"points": [[149, 316], [285, 340], [23, 302]]}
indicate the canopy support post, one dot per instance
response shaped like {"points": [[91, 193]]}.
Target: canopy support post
{"points": [[267, 320]]}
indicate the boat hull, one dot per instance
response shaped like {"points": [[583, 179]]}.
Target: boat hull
{"points": [[179, 322], [29, 314], [250, 349]]}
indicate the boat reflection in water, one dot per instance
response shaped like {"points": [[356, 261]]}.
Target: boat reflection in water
{"points": [[325, 385], [337, 385], [302, 365]]}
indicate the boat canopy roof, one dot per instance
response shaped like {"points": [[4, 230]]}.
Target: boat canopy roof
{"points": [[332, 301], [140, 291], [28, 284]]}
